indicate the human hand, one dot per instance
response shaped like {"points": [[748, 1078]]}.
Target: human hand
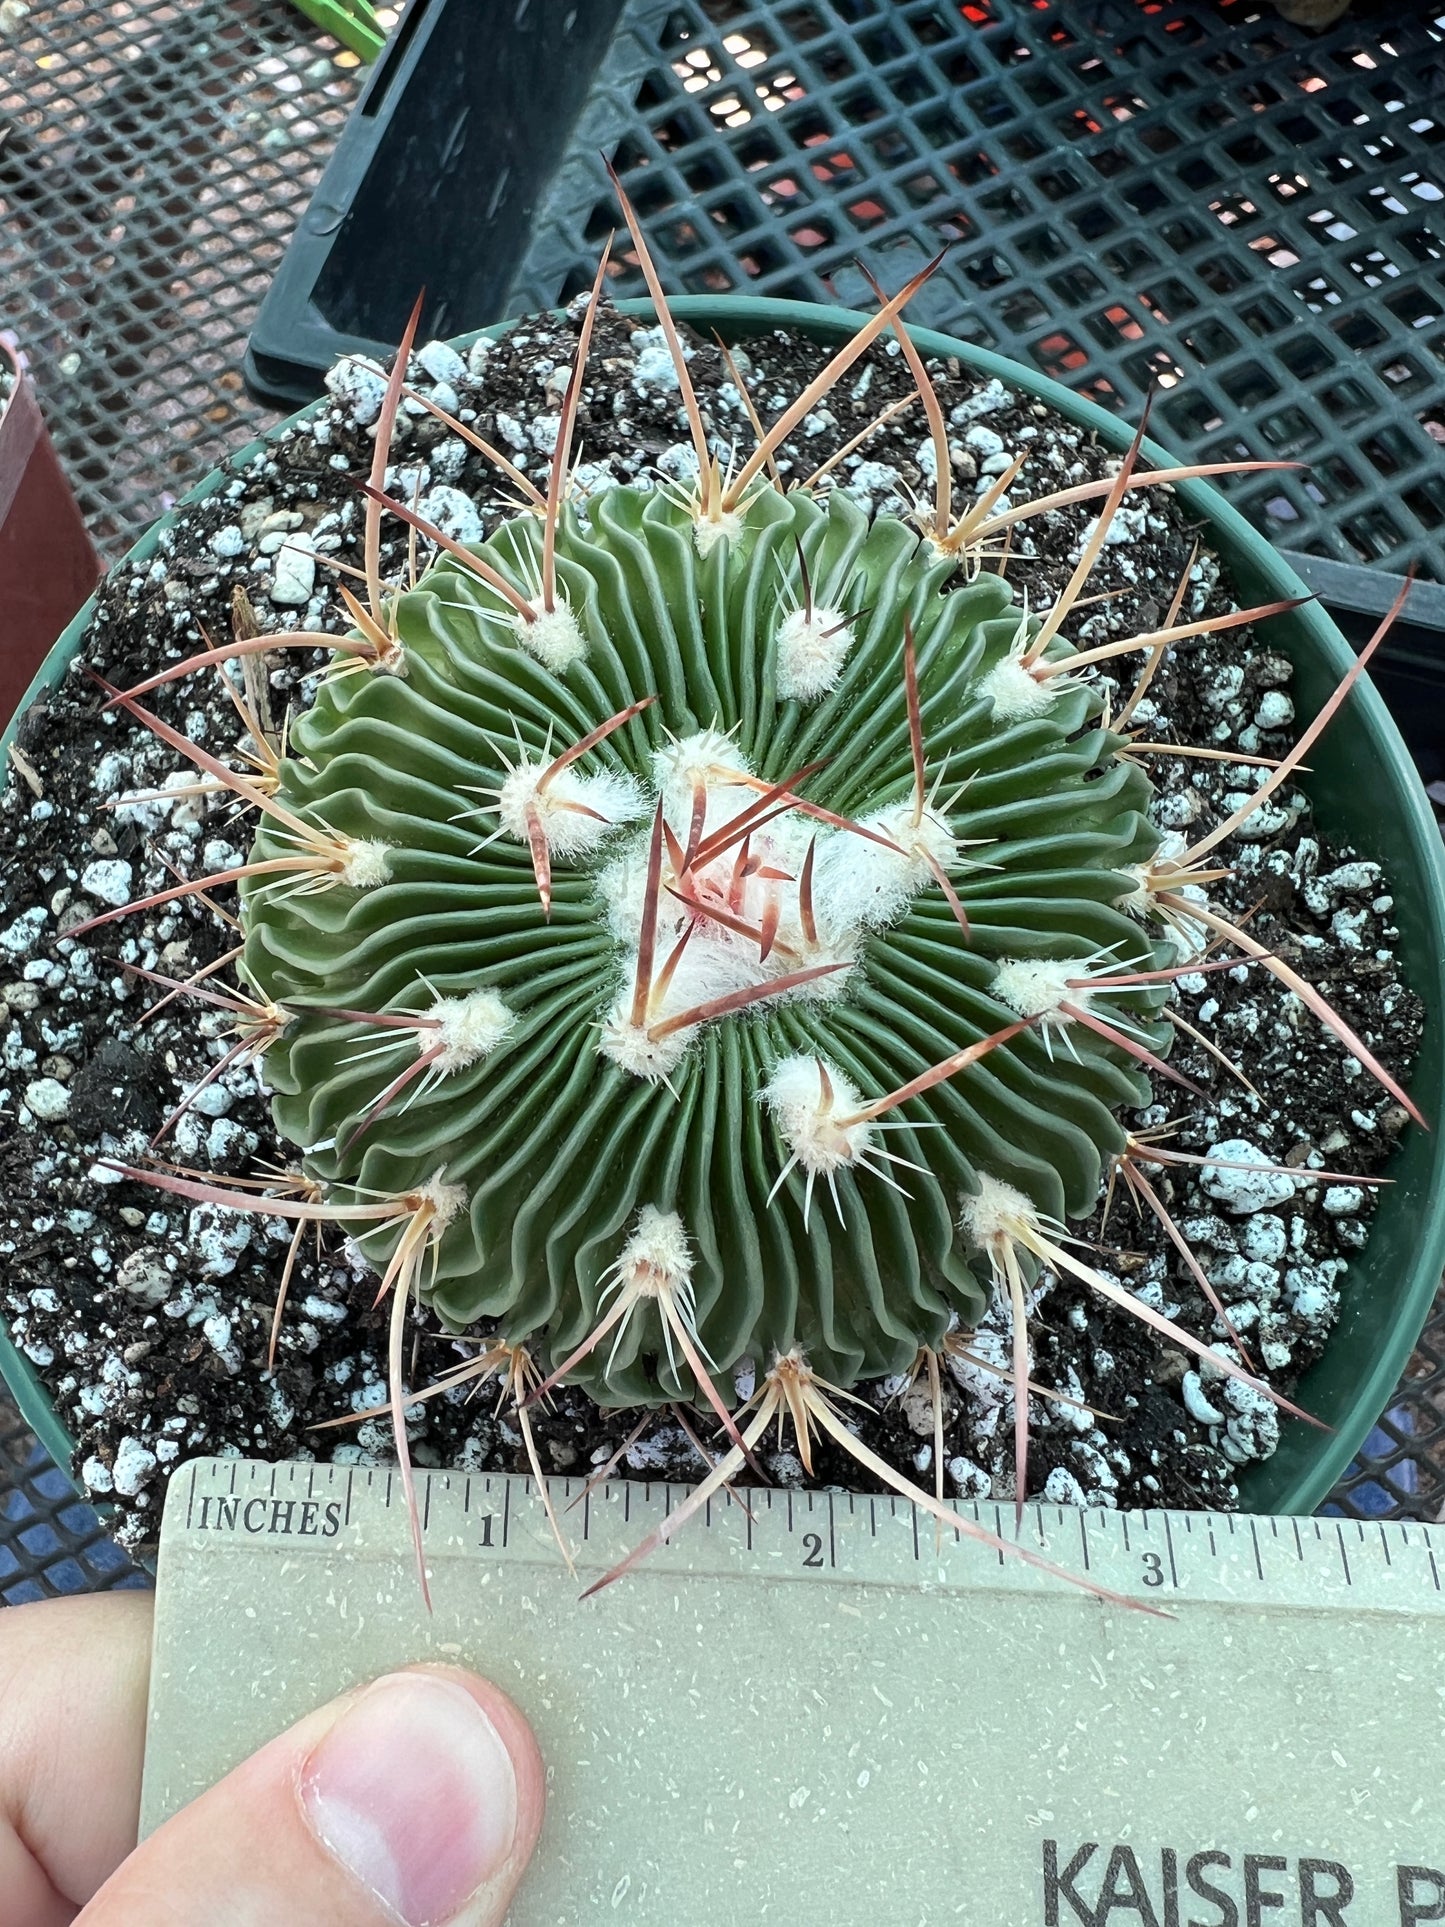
{"points": [[413, 1802]]}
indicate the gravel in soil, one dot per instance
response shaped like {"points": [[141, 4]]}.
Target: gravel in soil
{"points": [[149, 1321]]}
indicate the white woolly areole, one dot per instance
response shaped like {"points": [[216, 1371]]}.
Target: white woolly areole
{"points": [[1016, 695], [861, 884], [446, 1200], [632, 1050], [808, 1115], [1036, 986], [997, 1214], [553, 636], [812, 647], [1138, 899], [708, 531], [564, 807], [676, 764], [656, 1261], [469, 1027], [366, 863]]}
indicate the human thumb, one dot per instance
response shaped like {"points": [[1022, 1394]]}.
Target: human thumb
{"points": [[413, 1802]]}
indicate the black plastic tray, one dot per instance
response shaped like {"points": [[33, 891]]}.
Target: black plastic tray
{"points": [[51, 1542], [1192, 192], [1409, 668]]}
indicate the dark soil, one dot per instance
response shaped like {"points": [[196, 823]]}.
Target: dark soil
{"points": [[149, 1322]]}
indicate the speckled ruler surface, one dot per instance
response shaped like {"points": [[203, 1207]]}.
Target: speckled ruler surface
{"points": [[814, 1711]]}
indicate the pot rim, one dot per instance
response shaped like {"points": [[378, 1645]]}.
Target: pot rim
{"points": [[1300, 1476]]}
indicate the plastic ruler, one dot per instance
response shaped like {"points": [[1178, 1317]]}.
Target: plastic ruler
{"points": [[816, 1709]]}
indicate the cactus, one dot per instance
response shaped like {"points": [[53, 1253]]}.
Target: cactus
{"points": [[705, 924]]}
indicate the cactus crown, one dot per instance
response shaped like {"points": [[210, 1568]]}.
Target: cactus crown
{"points": [[761, 918], [706, 923]]}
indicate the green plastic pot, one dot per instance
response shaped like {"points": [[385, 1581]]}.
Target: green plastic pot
{"points": [[1365, 791]]}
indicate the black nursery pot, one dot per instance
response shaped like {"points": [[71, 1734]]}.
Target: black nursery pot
{"points": [[1365, 791]]}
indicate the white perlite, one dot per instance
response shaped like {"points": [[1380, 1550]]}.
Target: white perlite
{"points": [[22, 936], [95, 1476], [228, 542], [454, 513], [109, 881], [1241, 1192], [134, 1466], [360, 387], [294, 583], [441, 362]]}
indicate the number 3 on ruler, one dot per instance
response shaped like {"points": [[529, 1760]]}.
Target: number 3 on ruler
{"points": [[1153, 1569]]}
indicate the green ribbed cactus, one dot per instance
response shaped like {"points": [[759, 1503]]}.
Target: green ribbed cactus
{"points": [[567, 1122], [708, 923]]}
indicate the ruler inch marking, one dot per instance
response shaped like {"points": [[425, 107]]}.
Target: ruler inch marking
{"points": [[275, 1616], [1106, 1546]]}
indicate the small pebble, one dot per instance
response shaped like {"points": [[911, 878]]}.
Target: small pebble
{"points": [[47, 1098]]}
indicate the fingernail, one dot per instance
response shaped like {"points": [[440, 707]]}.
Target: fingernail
{"points": [[414, 1792]]}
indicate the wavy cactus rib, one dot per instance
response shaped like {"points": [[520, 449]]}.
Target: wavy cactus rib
{"points": [[444, 1019]]}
